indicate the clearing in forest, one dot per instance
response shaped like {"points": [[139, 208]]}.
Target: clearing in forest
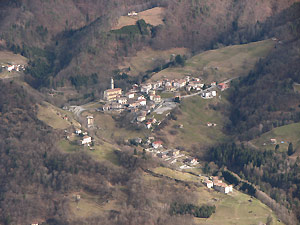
{"points": [[55, 117], [220, 64], [149, 59], [152, 16], [283, 135]]}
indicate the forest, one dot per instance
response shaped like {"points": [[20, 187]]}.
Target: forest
{"points": [[36, 176]]}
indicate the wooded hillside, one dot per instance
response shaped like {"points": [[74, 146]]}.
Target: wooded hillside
{"points": [[68, 39]]}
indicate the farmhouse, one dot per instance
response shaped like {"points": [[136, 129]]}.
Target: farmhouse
{"points": [[207, 95], [221, 187], [10, 68], [157, 98], [208, 183], [157, 144], [132, 13], [191, 161], [223, 86], [78, 131], [86, 140], [148, 125], [142, 102]]}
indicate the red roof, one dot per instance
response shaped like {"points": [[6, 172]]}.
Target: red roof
{"points": [[113, 90]]}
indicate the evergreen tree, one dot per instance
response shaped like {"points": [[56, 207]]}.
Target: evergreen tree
{"points": [[290, 149]]}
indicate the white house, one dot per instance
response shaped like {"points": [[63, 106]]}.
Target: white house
{"points": [[78, 131], [206, 95], [141, 97], [132, 13], [86, 140], [157, 98], [148, 125], [223, 188], [214, 93], [142, 102], [122, 100], [151, 96], [157, 144], [10, 68], [130, 95], [208, 183]]}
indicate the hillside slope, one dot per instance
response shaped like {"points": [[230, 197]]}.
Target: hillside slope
{"points": [[70, 41]]}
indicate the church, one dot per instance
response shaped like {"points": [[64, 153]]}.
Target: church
{"points": [[112, 93]]}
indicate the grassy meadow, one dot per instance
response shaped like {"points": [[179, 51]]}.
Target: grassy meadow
{"points": [[288, 133], [235, 208], [148, 59], [196, 113], [53, 116], [152, 16], [220, 64]]}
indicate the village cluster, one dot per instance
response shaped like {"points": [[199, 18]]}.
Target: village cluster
{"points": [[170, 155], [16, 67], [173, 156], [143, 99]]}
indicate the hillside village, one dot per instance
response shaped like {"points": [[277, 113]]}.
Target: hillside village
{"points": [[14, 67], [141, 100]]}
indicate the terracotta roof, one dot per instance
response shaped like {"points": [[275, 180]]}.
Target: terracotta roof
{"points": [[113, 90]]}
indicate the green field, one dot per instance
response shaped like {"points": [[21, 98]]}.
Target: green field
{"points": [[152, 16], [102, 152], [235, 208], [148, 59], [288, 133], [7, 57], [220, 64], [53, 116], [66, 146], [109, 130], [89, 206], [176, 174], [195, 116]]}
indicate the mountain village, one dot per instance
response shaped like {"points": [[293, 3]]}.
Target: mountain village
{"points": [[141, 101]]}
